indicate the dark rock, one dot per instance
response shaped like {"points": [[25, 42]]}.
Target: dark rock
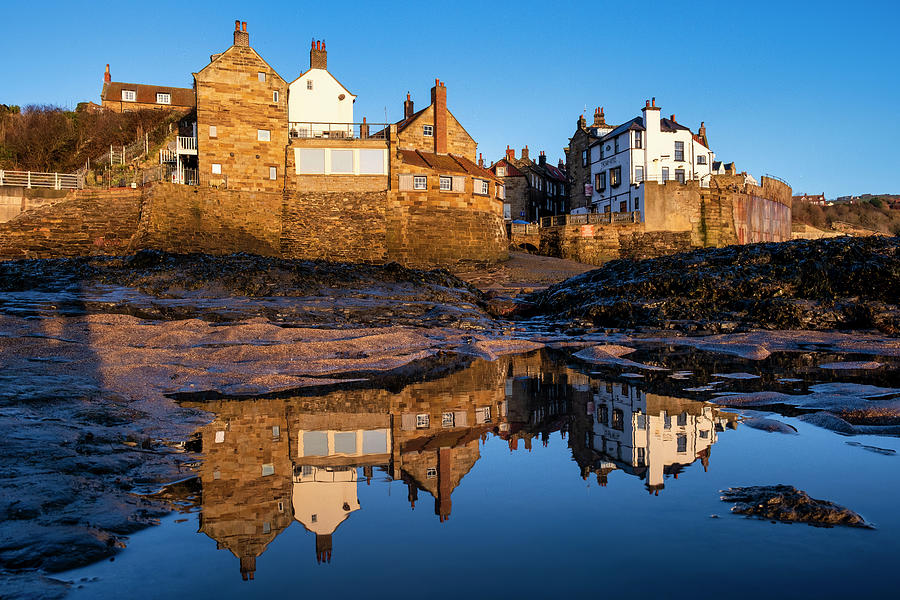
{"points": [[770, 425], [787, 503]]}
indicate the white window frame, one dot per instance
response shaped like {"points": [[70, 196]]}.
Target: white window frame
{"points": [[163, 98], [501, 171], [423, 421], [638, 173], [216, 169], [213, 131], [431, 473], [701, 159], [446, 183], [261, 76], [420, 182], [273, 173], [428, 130], [447, 419], [263, 135], [275, 96], [481, 187], [129, 96]]}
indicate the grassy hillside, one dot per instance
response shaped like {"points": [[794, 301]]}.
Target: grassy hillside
{"points": [[50, 139], [873, 213]]}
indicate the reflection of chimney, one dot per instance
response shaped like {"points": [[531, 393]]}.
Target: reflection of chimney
{"points": [[412, 493], [106, 76], [241, 37], [408, 107], [367, 472], [323, 548], [318, 58], [445, 484], [528, 443], [248, 567], [439, 105]]}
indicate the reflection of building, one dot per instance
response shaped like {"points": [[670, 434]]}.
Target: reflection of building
{"points": [[648, 435]]}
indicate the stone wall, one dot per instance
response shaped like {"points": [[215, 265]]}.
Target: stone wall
{"points": [[88, 223], [179, 218], [597, 244], [458, 140]]}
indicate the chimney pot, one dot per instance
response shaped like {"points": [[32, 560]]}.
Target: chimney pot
{"points": [[647, 104], [672, 118], [237, 25], [106, 76], [653, 101], [244, 26]]}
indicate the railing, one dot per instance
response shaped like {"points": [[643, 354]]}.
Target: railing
{"points": [[777, 179], [32, 179], [592, 219], [186, 144], [339, 131], [523, 228], [167, 155]]}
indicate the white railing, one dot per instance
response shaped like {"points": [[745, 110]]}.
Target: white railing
{"points": [[186, 144], [167, 155], [33, 179]]}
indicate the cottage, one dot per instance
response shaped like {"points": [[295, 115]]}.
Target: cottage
{"points": [[119, 96]]}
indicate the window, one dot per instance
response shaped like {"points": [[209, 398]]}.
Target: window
{"points": [[213, 131], [307, 470], [665, 173], [616, 142], [638, 174], [276, 432], [447, 419], [641, 457], [615, 176], [342, 161], [273, 173], [642, 422], [263, 135], [309, 84], [216, 169], [600, 181], [701, 159], [637, 203], [679, 175], [420, 182], [618, 419], [220, 437], [603, 415], [638, 139], [667, 420], [501, 192], [623, 206], [584, 158], [314, 518], [481, 187], [704, 434], [268, 469], [501, 171], [431, 473], [682, 443], [129, 95], [261, 76], [427, 130], [606, 208], [679, 151], [311, 160], [682, 419], [163, 98], [446, 183], [275, 96], [422, 420], [371, 162]]}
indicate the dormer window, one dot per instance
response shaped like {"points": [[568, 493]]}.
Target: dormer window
{"points": [[163, 98], [501, 171], [428, 130], [129, 95]]}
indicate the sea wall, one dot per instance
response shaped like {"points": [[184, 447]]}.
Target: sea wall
{"points": [[86, 223]]}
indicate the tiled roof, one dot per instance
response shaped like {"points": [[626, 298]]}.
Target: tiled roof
{"points": [[511, 169], [445, 163], [671, 126], [147, 93]]}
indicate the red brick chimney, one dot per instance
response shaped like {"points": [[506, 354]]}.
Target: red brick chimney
{"points": [[318, 58], [702, 133], [106, 76], [439, 104], [599, 118], [241, 37], [510, 154], [408, 107], [480, 160], [525, 153]]}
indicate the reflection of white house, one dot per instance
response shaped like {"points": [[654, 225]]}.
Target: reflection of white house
{"points": [[645, 149], [317, 102], [322, 498], [649, 435]]}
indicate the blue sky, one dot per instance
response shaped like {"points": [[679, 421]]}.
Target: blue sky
{"points": [[802, 90]]}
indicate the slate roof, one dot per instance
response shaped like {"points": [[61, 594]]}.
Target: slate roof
{"points": [[180, 97]]}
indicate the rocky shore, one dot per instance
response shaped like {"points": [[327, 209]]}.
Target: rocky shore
{"points": [[842, 283]]}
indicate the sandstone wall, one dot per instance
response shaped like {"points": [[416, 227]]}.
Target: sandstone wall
{"points": [[458, 140], [179, 218], [88, 223], [598, 244]]}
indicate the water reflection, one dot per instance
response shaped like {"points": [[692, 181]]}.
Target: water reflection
{"points": [[271, 462]]}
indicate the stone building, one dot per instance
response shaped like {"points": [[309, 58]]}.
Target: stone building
{"points": [[533, 189], [578, 169], [242, 116], [119, 96]]}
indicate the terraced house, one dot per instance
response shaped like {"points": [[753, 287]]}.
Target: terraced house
{"points": [[533, 189]]}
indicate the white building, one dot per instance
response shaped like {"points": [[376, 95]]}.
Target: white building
{"points": [[645, 149], [318, 104]]}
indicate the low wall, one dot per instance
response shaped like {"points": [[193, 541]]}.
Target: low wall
{"points": [[87, 223], [598, 244]]}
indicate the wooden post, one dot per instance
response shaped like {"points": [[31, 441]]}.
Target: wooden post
{"points": [[56, 181]]}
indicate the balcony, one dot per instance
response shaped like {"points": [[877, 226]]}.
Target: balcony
{"points": [[338, 131], [186, 145]]}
